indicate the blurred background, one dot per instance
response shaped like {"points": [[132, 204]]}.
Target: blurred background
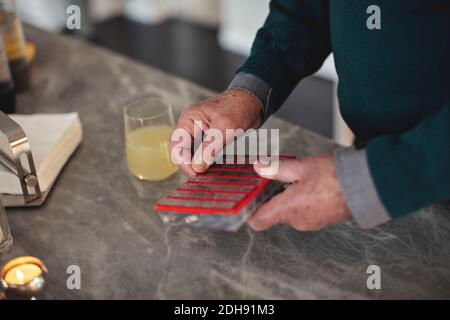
{"points": [[201, 40]]}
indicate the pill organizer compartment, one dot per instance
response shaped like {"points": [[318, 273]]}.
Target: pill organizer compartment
{"points": [[222, 198]]}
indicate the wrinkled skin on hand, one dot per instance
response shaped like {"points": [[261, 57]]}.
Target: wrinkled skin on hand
{"points": [[313, 201], [232, 109]]}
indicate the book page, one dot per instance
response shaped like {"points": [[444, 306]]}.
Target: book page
{"points": [[44, 131]]}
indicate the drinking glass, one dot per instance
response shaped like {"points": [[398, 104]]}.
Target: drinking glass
{"points": [[148, 125], [6, 239]]}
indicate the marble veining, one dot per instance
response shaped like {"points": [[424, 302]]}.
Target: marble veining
{"points": [[100, 218]]}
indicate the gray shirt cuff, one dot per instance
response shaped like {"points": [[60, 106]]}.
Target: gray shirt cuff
{"points": [[256, 87], [358, 189]]}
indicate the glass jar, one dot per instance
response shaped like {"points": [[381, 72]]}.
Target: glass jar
{"points": [[6, 239], [15, 44], [7, 94]]}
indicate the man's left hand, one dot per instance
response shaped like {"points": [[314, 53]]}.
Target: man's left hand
{"points": [[313, 201]]}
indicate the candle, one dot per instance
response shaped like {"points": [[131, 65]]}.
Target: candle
{"points": [[22, 274]]}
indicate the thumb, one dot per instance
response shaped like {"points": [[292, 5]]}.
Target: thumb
{"points": [[288, 170]]}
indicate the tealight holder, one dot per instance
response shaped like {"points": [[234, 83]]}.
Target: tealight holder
{"points": [[23, 276]]}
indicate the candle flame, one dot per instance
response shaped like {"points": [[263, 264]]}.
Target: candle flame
{"points": [[20, 276]]}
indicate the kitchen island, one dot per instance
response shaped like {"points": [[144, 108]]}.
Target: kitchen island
{"points": [[99, 218]]}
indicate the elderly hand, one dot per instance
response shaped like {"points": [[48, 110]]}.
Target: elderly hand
{"points": [[313, 201], [232, 109]]}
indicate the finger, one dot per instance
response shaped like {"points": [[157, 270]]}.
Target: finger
{"points": [[181, 142], [183, 137], [184, 162], [271, 212], [181, 156], [215, 140], [286, 170], [207, 152], [212, 145]]}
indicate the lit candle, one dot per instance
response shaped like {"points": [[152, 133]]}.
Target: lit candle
{"points": [[22, 274]]}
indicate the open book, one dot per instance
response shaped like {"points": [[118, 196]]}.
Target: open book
{"points": [[53, 138]]}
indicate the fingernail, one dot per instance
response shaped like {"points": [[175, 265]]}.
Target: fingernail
{"points": [[265, 164], [254, 224], [253, 221], [199, 167]]}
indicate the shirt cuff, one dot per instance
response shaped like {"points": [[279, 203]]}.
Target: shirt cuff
{"points": [[256, 87], [358, 188]]}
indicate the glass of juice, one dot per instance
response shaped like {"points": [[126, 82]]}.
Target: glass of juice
{"points": [[148, 125]]}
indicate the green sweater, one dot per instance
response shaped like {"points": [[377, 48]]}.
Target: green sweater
{"points": [[394, 83]]}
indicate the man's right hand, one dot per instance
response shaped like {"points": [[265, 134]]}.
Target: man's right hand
{"points": [[232, 109]]}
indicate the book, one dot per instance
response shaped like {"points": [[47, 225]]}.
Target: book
{"points": [[53, 139]]}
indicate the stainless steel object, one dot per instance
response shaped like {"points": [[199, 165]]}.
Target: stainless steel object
{"points": [[28, 289], [18, 159]]}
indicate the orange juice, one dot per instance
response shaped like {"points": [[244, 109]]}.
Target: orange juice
{"points": [[148, 155]]}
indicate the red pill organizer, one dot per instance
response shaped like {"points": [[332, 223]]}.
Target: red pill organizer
{"points": [[222, 198]]}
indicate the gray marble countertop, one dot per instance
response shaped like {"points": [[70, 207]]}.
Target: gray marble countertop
{"points": [[100, 218]]}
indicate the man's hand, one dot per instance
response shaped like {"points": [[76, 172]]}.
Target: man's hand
{"points": [[232, 109], [313, 200]]}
